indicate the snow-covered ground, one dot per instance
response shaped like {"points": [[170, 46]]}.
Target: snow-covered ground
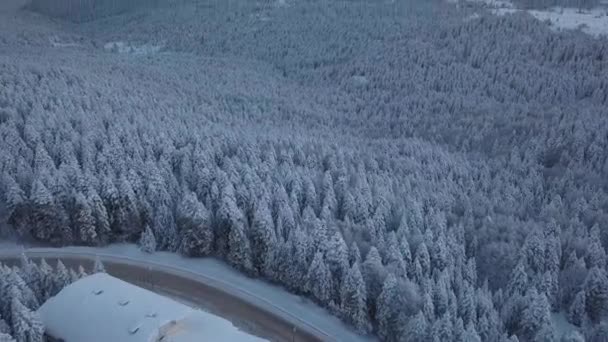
{"points": [[255, 291], [592, 21]]}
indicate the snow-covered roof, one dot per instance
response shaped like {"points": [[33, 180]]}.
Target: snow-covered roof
{"points": [[103, 308]]}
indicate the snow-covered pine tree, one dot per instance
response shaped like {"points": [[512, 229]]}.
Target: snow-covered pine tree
{"points": [[239, 250], [27, 326], [387, 309], [98, 266], [576, 312], [416, 329], [263, 240], [596, 294], [374, 274], [194, 227], [319, 279], [354, 300], [84, 221], [147, 241]]}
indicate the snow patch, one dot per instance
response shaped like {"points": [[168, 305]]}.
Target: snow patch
{"points": [[561, 325], [131, 48], [593, 22]]}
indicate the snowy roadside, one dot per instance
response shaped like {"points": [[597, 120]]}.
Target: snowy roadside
{"points": [[272, 298]]}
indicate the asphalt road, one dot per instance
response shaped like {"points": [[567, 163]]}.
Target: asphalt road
{"points": [[193, 289]]}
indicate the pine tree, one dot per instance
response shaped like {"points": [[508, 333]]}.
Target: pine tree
{"points": [[536, 315], [61, 278], [27, 326], [354, 255], [471, 334], [387, 309], [319, 279], [147, 241], [194, 226], [416, 329], [100, 214], [519, 280], [394, 258], [46, 280], [596, 294], [353, 300], [98, 266], [337, 257], [442, 329], [84, 221], [44, 219], [239, 250], [263, 241], [596, 255], [374, 275], [423, 257], [576, 313]]}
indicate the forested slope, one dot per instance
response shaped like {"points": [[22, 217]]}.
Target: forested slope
{"points": [[422, 175]]}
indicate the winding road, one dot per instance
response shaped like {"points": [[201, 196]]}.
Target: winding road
{"points": [[245, 310]]}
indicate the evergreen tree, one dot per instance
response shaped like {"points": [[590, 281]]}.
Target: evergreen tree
{"points": [[98, 266], [263, 241], [27, 326], [319, 279], [471, 334], [239, 250], [596, 294], [147, 241], [194, 226], [416, 329], [576, 313], [536, 316], [354, 301], [374, 275], [387, 309], [337, 257], [354, 255], [423, 257], [84, 221], [61, 278]]}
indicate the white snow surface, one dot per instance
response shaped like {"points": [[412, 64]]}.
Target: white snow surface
{"points": [[101, 308], [593, 22], [255, 291]]}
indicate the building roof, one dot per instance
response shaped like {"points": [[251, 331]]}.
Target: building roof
{"points": [[103, 308]]}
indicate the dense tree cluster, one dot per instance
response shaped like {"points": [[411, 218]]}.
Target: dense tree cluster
{"points": [[22, 290], [423, 179]]}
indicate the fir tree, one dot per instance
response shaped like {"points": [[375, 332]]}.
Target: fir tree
{"points": [[147, 241], [354, 301], [319, 279]]}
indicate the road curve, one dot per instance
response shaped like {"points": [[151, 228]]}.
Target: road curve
{"points": [[247, 311]]}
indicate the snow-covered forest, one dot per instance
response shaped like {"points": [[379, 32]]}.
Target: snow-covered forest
{"points": [[24, 289], [424, 174]]}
